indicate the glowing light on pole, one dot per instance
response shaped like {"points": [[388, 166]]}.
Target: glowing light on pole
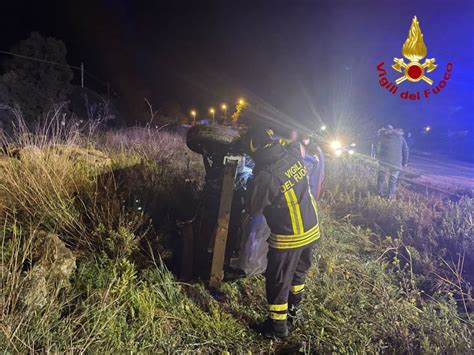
{"points": [[427, 129], [323, 128], [212, 111], [193, 113], [241, 101]]}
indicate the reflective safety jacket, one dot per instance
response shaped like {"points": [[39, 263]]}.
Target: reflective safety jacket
{"points": [[280, 190]]}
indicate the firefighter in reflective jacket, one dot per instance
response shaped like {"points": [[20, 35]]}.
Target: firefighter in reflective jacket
{"points": [[280, 190]]}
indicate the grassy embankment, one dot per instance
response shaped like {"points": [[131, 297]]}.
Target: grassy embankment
{"points": [[389, 275]]}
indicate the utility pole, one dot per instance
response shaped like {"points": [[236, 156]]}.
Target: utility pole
{"points": [[82, 74]]}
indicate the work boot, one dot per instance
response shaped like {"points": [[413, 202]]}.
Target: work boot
{"points": [[272, 328]]}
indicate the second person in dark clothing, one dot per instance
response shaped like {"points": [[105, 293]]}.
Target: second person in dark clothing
{"points": [[392, 155]]}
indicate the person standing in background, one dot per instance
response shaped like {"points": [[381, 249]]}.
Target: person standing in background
{"points": [[313, 158], [392, 155]]}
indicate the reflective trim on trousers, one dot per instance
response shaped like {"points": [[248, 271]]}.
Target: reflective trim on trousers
{"points": [[295, 289]]}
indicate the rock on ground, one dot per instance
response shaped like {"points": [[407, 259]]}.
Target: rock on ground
{"points": [[52, 265]]}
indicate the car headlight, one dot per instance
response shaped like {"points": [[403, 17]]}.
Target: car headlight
{"points": [[335, 145]]}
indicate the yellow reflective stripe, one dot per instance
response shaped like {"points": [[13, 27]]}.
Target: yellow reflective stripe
{"points": [[284, 141], [297, 244], [297, 289], [299, 220], [294, 246], [295, 212], [278, 316], [292, 212], [278, 307], [297, 241], [295, 237]]}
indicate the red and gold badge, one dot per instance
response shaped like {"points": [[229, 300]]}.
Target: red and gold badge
{"points": [[414, 49]]}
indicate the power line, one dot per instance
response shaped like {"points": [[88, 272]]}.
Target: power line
{"points": [[81, 68], [40, 60]]}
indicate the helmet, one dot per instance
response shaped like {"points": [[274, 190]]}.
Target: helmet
{"points": [[257, 138]]}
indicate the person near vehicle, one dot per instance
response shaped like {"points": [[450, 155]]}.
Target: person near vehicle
{"points": [[392, 155], [313, 158], [280, 190]]}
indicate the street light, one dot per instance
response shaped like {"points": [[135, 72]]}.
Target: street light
{"points": [[224, 107], [193, 113], [427, 129], [241, 101], [212, 111], [323, 128]]}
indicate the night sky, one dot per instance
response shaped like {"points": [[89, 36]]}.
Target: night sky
{"points": [[311, 61]]}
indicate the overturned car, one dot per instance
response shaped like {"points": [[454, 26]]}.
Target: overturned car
{"points": [[226, 240]]}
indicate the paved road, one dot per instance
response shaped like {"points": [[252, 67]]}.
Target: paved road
{"points": [[441, 172], [441, 166]]}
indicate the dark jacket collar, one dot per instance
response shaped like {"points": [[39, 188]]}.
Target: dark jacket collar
{"points": [[269, 155], [390, 132]]}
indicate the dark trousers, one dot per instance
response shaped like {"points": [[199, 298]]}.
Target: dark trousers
{"points": [[392, 174], [285, 278]]}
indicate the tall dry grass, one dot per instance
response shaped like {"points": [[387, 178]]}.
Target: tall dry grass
{"points": [[90, 188], [114, 196], [433, 234]]}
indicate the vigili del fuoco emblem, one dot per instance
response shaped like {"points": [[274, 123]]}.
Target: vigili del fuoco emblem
{"points": [[414, 49]]}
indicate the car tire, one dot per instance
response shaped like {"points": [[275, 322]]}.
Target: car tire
{"points": [[210, 139]]}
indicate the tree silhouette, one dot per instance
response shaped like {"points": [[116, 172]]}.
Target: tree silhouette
{"points": [[33, 85]]}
